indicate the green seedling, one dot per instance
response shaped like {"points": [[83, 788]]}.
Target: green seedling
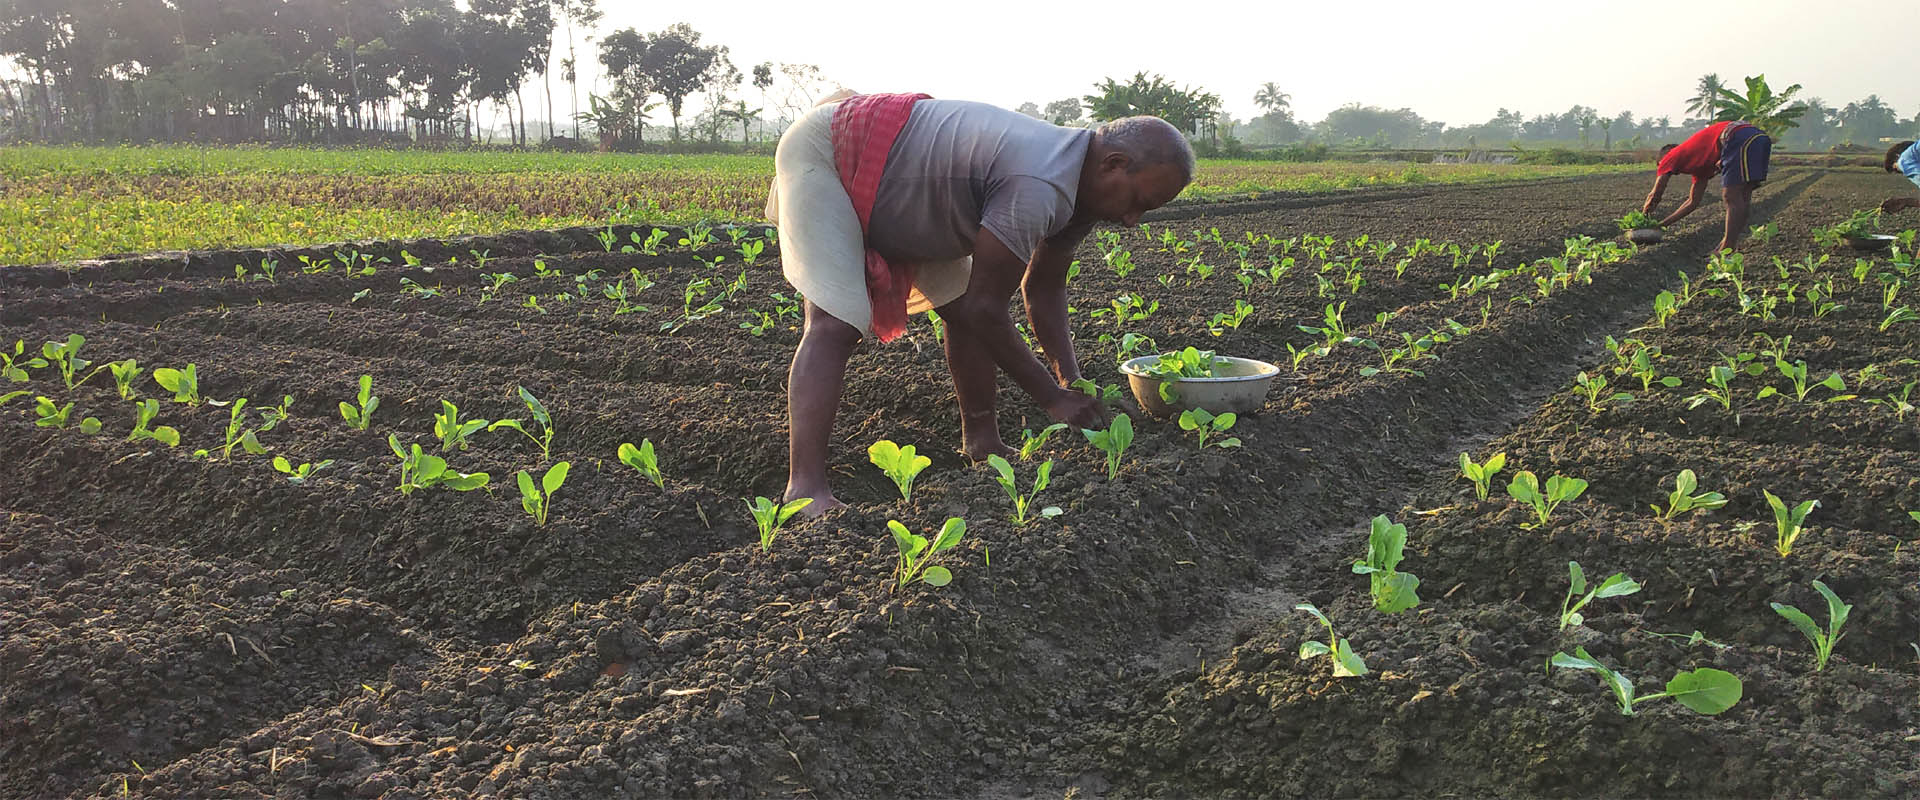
{"points": [[1641, 366], [1788, 522], [419, 470], [299, 474], [1897, 316], [1682, 499], [273, 416], [183, 383], [359, 416], [1023, 503], [899, 463], [1113, 441], [143, 414], [1221, 323], [1797, 373], [642, 459], [1204, 424], [1706, 690], [48, 414], [1560, 488], [1030, 442], [14, 366], [1594, 387], [65, 357], [917, 554], [238, 434], [124, 375], [1170, 367], [451, 430], [1392, 591], [1482, 474], [1718, 391], [1616, 585], [1638, 220], [1346, 663], [1109, 395], [1664, 307], [768, 516], [1823, 641], [542, 421], [538, 500]]}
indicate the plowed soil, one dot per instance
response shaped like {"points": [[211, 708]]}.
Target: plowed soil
{"points": [[185, 626]]}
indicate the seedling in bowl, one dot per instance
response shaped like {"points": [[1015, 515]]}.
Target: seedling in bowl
{"points": [[1823, 641], [1616, 585], [901, 464], [1706, 690]]}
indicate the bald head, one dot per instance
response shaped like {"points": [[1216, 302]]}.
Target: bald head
{"points": [[1147, 142]]}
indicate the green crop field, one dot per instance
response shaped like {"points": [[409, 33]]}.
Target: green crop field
{"points": [[67, 203]]}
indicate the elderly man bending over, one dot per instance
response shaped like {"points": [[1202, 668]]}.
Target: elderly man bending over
{"points": [[895, 204]]}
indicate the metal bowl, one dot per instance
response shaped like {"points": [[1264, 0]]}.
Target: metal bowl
{"points": [[1239, 385], [1870, 243], [1645, 235]]}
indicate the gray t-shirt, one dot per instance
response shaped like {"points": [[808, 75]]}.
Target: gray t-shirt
{"points": [[959, 166]]}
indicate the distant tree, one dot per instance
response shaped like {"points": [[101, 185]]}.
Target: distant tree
{"points": [[1187, 109], [585, 14], [1063, 112], [1867, 121], [1372, 125], [1705, 101], [1270, 98], [622, 54], [676, 65]]}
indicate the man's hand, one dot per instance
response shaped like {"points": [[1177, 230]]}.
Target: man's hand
{"points": [[1078, 409], [1899, 204]]}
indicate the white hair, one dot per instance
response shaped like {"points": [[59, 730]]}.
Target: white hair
{"points": [[1148, 141]]}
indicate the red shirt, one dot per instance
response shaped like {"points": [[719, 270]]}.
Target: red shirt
{"points": [[1698, 156]]}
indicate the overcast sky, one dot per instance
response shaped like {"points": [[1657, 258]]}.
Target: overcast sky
{"points": [[1457, 62]]}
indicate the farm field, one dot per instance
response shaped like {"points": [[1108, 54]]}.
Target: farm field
{"points": [[63, 204], [178, 625]]}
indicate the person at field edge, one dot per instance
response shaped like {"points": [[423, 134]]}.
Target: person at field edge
{"points": [[893, 204], [1903, 158], [1737, 151]]}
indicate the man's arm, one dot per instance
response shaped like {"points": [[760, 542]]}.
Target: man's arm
{"points": [[979, 319], [1694, 194], [1659, 190], [1045, 294]]}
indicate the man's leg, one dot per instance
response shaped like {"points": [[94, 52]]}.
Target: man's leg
{"points": [[973, 384], [1739, 199], [814, 383]]}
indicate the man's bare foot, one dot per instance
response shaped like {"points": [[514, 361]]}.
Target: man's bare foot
{"points": [[823, 501], [979, 450]]}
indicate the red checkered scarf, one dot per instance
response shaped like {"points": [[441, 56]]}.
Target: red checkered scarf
{"points": [[864, 128]]}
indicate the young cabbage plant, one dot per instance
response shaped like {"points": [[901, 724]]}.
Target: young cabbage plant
{"points": [[1392, 590], [769, 516], [1525, 488], [359, 416], [1113, 441], [916, 554], [451, 430], [1797, 374], [1482, 474], [538, 500], [541, 419], [1682, 499], [1788, 521], [419, 470], [143, 414], [1594, 387], [14, 366], [642, 459], [238, 434], [1616, 585], [48, 414], [1023, 503], [1706, 690], [1823, 641], [1203, 423], [1346, 663], [183, 383], [299, 474], [124, 374], [1109, 395], [901, 464], [1030, 442], [65, 357]]}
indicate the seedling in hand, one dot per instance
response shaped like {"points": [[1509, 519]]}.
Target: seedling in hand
{"points": [[916, 553], [1560, 488], [901, 464], [642, 458], [359, 416], [1788, 521], [1022, 503], [1823, 641], [1204, 424], [1482, 474], [1392, 591], [1113, 441], [1616, 585], [538, 500], [1346, 663], [1706, 690]]}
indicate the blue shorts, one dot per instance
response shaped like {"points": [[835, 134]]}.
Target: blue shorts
{"points": [[1743, 157]]}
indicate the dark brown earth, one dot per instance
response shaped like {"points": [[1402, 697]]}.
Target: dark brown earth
{"points": [[183, 627]]}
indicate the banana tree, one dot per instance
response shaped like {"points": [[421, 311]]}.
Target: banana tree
{"points": [[1761, 106]]}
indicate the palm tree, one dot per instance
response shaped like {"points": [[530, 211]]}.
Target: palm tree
{"points": [[1705, 101], [1760, 106], [1271, 98]]}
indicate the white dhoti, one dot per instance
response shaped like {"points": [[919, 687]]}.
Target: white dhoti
{"points": [[822, 249]]}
